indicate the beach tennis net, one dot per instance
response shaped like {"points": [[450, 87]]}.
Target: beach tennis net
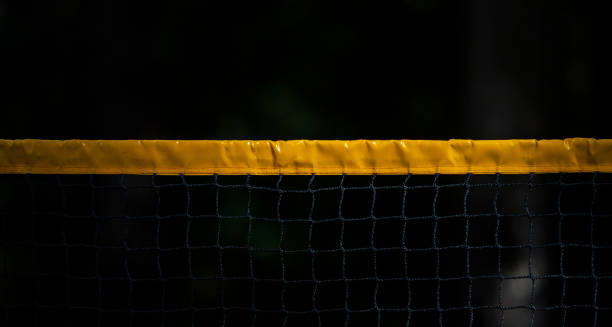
{"points": [[306, 233]]}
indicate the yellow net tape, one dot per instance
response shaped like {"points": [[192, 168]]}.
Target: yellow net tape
{"points": [[304, 157]]}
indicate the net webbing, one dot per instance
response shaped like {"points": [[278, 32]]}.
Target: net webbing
{"points": [[473, 250]]}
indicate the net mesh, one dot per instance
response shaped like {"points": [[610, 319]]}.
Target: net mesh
{"points": [[473, 250]]}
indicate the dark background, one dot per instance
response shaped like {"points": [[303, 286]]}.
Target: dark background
{"points": [[304, 69], [295, 69]]}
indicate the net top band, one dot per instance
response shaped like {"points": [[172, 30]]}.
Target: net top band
{"points": [[304, 157]]}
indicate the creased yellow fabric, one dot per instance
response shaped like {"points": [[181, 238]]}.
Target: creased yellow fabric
{"points": [[303, 157]]}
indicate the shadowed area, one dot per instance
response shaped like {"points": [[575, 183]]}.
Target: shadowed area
{"points": [[304, 69]]}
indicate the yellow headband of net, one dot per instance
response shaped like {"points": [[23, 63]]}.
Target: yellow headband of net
{"points": [[304, 157]]}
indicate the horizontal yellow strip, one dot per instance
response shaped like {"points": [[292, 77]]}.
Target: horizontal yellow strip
{"points": [[304, 157]]}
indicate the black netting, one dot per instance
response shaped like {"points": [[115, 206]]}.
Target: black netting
{"points": [[441, 250]]}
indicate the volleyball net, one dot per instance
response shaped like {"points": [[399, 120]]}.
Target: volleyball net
{"points": [[306, 233]]}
